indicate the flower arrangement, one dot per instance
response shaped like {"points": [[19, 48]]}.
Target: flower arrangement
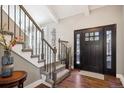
{"points": [[12, 43]]}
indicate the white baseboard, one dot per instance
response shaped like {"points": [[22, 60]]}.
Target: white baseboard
{"points": [[36, 83], [121, 77]]}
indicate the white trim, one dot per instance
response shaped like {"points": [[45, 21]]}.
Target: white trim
{"points": [[92, 74], [121, 77], [36, 83]]}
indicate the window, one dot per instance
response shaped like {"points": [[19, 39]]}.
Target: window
{"points": [[108, 50], [92, 36], [96, 38], [78, 49], [86, 34], [86, 38], [96, 33], [91, 39]]}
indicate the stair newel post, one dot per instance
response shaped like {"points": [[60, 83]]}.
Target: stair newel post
{"points": [[36, 41], [61, 53], [67, 62], [47, 59], [32, 38], [45, 55], [39, 44], [42, 36], [54, 66], [50, 64]]}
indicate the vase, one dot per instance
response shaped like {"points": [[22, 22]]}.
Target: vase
{"points": [[7, 64]]}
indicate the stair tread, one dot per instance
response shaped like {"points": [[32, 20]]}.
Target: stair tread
{"points": [[32, 56], [59, 66], [20, 42], [41, 60]]}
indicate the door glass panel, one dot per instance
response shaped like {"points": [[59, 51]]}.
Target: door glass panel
{"points": [[96, 33], [86, 38], [86, 34], [108, 49], [108, 58], [96, 38], [78, 49], [91, 38], [91, 34]]}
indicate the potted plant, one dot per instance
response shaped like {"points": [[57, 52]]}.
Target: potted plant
{"points": [[7, 60]]}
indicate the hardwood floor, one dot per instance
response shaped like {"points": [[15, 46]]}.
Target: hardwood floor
{"points": [[75, 80]]}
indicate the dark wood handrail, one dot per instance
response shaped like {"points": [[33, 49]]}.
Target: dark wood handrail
{"points": [[63, 41], [48, 44], [25, 11]]}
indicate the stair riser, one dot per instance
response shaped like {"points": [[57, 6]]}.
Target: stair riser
{"points": [[34, 56], [59, 79], [60, 69], [57, 70], [41, 61], [58, 63], [62, 78]]}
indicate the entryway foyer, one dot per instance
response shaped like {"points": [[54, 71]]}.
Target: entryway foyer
{"points": [[58, 39]]}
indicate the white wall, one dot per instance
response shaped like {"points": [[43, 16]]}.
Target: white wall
{"points": [[103, 16]]}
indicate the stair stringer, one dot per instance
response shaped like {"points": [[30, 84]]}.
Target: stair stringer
{"points": [[26, 55]]}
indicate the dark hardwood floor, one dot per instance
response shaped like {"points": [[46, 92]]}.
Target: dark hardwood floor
{"points": [[75, 80]]}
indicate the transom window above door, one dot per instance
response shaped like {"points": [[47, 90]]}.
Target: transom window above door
{"points": [[91, 36]]}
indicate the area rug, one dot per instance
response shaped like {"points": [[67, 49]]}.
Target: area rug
{"points": [[92, 74]]}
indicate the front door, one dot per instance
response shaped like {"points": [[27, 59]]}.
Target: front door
{"points": [[95, 49], [92, 50]]}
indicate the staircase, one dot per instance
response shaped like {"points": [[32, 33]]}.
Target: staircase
{"points": [[34, 48]]}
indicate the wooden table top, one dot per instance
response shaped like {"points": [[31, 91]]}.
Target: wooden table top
{"points": [[16, 76]]}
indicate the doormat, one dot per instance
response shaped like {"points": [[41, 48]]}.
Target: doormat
{"points": [[92, 74]]}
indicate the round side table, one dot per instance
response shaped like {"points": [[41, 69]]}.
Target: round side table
{"points": [[17, 79]]}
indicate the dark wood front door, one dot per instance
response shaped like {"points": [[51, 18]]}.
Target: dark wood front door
{"points": [[92, 50], [95, 49]]}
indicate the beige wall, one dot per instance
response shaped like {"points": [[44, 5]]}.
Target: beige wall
{"points": [[21, 64], [103, 16]]}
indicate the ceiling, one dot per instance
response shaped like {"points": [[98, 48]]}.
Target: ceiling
{"points": [[53, 13]]}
